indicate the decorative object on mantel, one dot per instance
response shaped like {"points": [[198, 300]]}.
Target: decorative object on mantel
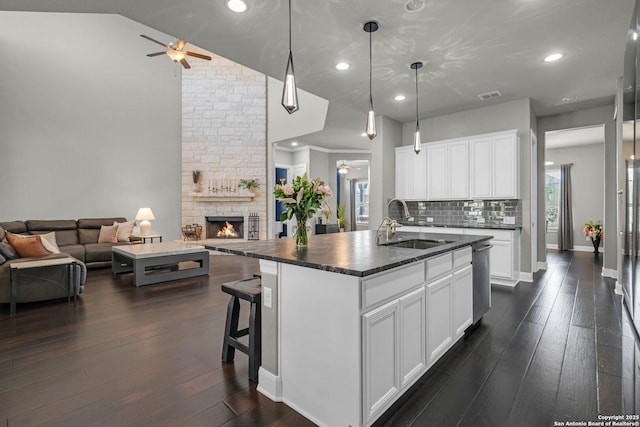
{"points": [[595, 231], [249, 184], [301, 199], [191, 232], [342, 221], [253, 226], [197, 185]]}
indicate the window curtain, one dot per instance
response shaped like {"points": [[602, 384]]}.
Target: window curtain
{"points": [[565, 216], [352, 204]]}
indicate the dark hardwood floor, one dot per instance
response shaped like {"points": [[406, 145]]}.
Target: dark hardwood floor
{"points": [[150, 356]]}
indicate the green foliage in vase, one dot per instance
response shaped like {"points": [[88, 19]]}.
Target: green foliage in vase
{"points": [[301, 198], [248, 184], [342, 221]]}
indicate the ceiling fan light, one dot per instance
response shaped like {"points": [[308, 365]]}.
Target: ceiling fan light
{"points": [[176, 55]]}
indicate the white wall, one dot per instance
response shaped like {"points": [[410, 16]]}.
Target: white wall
{"points": [[89, 126], [587, 186]]}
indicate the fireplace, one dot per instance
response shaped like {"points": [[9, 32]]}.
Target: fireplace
{"points": [[225, 227]]}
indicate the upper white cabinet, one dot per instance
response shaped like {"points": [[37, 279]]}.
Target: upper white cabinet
{"points": [[447, 170], [478, 167], [411, 169], [493, 161]]}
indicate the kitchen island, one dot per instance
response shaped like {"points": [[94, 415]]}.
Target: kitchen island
{"points": [[348, 326]]}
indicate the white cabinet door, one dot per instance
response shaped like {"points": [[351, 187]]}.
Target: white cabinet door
{"points": [[505, 172], [402, 172], [381, 358], [411, 174], [462, 298], [481, 166], [502, 259], [458, 173], [438, 318], [437, 171], [413, 336]]}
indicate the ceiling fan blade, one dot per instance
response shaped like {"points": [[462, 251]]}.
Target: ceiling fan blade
{"points": [[179, 44], [155, 41], [198, 55], [155, 54], [185, 64]]}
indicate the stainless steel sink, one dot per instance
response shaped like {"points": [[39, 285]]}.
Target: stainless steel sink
{"points": [[417, 243]]}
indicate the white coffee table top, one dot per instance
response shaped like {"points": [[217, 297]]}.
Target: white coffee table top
{"points": [[148, 250]]}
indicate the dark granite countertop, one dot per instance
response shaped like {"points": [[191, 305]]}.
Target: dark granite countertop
{"points": [[486, 226], [353, 253]]}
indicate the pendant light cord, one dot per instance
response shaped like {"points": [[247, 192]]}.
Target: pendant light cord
{"points": [[370, 78], [417, 123], [289, 26]]}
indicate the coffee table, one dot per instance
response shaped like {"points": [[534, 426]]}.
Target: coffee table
{"points": [[160, 262]]}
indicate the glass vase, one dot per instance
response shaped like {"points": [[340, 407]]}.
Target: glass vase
{"points": [[300, 236]]}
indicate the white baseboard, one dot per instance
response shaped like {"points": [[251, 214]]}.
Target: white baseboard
{"points": [[504, 282], [526, 277], [270, 385], [542, 265], [618, 289], [576, 248], [609, 272]]}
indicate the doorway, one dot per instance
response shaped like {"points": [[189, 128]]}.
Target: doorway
{"points": [[583, 149]]}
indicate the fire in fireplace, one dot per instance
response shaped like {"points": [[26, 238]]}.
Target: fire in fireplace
{"points": [[225, 227]]}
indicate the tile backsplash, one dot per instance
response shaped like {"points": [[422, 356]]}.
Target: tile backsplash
{"points": [[458, 212]]}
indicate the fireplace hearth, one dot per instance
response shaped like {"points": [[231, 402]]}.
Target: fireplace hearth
{"points": [[225, 227]]}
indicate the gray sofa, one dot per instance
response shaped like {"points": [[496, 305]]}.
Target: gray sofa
{"points": [[76, 238]]}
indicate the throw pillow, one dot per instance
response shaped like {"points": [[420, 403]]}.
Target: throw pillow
{"points": [[27, 246], [125, 230], [7, 251], [49, 242], [108, 233]]}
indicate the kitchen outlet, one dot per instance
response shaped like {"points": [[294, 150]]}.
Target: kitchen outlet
{"points": [[267, 297], [509, 220], [429, 219]]}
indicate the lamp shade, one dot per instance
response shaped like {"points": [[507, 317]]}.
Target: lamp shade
{"points": [[144, 215]]}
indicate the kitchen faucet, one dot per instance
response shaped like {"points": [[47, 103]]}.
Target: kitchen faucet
{"points": [[407, 215], [390, 226]]}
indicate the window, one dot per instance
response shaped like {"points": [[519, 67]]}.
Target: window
{"points": [[362, 202], [552, 197]]}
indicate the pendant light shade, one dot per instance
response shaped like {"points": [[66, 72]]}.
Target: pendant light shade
{"points": [[290, 91], [370, 130], [417, 145]]}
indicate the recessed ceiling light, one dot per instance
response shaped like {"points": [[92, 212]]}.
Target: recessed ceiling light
{"points": [[548, 163], [414, 5], [294, 144], [400, 98], [342, 66], [553, 57], [635, 36], [237, 5], [569, 98]]}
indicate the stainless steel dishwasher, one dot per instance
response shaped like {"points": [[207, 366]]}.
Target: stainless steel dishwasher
{"points": [[481, 280]]}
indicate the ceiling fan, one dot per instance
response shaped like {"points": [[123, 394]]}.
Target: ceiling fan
{"points": [[175, 51], [343, 168]]}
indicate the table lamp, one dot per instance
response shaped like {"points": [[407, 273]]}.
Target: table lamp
{"points": [[144, 215]]}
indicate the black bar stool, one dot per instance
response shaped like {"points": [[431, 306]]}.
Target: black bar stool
{"points": [[248, 290]]}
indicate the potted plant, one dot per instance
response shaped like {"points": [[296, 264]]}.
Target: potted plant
{"points": [[249, 184], [197, 176], [595, 231], [342, 221]]}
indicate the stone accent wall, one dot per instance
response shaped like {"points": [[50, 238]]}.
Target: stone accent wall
{"points": [[224, 120]]}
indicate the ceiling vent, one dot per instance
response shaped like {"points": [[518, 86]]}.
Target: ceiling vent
{"points": [[490, 95]]}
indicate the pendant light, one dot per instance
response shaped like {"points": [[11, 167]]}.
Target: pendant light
{"points": [[370, 130], [290, 91], [417, 146]]}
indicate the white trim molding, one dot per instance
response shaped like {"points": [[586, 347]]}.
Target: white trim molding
{"points": [[270, 385], [576, 248], [542, 265], [609, 272], [618, 288], [526, 277]]}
